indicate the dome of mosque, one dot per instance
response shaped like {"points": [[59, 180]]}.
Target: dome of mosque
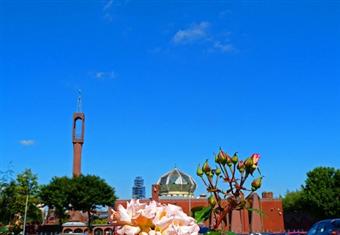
{"points": [[176, 183]]}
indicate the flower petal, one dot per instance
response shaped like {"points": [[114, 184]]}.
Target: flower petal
{"points": [[124, 216], [128, 230]]}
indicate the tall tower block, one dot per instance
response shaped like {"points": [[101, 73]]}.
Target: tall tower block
{"points": [[77, 140]]}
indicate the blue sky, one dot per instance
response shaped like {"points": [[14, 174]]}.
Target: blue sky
{"points": [[167, 83]]}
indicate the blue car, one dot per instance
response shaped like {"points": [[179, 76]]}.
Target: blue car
{"points": [[325, 227]]}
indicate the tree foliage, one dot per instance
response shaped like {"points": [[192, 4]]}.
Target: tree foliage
{"points": [[322, 192], [90, 191], [55, 195], [319, 196], [84, 193], [8, 193], [13, 200], [293, 201]]}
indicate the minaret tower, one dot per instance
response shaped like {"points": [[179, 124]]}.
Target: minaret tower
{"points": [[78, 137]]}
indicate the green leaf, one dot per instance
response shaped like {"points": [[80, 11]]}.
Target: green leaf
{"points": [[201, 213], [230, 233], [3, 230], [214, 233]]}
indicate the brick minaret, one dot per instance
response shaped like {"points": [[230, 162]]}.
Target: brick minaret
{"points": [[77, 140]]}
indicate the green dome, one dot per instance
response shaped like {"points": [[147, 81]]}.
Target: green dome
{"points": [[176, 183]]}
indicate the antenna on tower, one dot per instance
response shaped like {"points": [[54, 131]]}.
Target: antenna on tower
{"points": [[79, 101]]}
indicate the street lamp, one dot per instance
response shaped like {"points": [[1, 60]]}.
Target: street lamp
{"points": [[25, 216], [26, 205]]}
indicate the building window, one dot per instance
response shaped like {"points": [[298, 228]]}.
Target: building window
{"points": [[98, 231]]}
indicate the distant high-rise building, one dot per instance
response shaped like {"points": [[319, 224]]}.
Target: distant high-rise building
{"points": [[138, 189]]}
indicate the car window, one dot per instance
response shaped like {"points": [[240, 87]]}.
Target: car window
{"points": [[328, 227], [336, 224], [322, 228], [312, 230]]}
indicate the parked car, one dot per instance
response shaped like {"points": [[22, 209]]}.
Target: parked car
{"points": [[325, 227]]}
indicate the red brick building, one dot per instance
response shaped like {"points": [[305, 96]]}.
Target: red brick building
{"points": [[176, 187]]}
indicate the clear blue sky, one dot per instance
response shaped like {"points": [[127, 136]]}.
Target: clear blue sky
{"points": [[166, 83]]}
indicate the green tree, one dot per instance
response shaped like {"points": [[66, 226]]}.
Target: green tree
{"points": [[5, 178], [55, 195], [8, 193], [88, 192], [322, 192], [27, 185], [293, 201], [13, 201]]}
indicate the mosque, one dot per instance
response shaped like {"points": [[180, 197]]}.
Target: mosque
{"points": [[174, 187]]}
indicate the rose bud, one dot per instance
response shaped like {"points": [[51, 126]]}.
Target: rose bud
{"points": [[223, 157], [217, 160], [199, 171], [255, 158], [212, 200], [248, 163], [234, 159], [218, 171], [256, 184], [240, 166], [228, 160], [206, 168]]}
